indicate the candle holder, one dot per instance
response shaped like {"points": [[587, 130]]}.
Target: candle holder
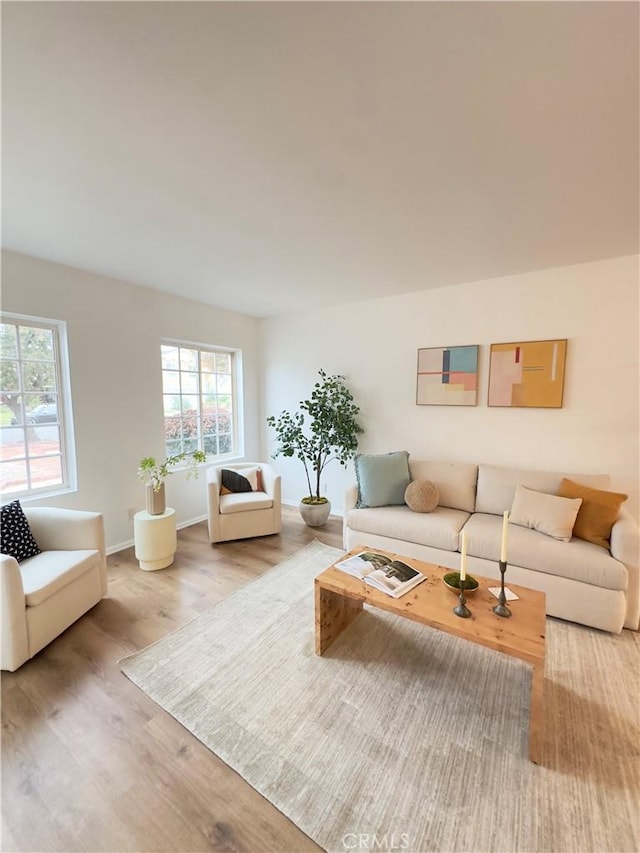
{"points": [[461, 609], [501, 608]]}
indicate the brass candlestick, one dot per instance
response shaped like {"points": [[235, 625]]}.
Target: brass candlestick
{"points": [[461, 609], [501, 608]]}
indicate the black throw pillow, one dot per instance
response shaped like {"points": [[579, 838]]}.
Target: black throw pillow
{"points": [[16, 538], [235, 482]]}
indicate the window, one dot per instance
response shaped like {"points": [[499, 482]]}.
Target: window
{"points": [[36, 453], [199, 387]]}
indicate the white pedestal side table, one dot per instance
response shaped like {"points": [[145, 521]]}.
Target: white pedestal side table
{"points": [[155, 538]]}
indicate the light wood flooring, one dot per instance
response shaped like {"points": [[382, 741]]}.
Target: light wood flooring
{"points": [[90, 763]]}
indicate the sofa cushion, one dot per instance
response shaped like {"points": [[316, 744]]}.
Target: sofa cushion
{"points": [[421, 496], [549, 514], [497, 486], [16, 538], [50, 571], [598, 512], [456, 481], [437, 529], [575, 560], [244, 502], [382, 479]]}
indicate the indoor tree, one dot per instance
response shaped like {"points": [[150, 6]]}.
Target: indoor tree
{"points": [[324, 428]]}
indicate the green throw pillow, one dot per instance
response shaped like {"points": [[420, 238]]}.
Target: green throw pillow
{"points": [[382, 479]]}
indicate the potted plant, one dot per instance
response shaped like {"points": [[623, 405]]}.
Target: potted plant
{"points": [[154, 475], [331, 433]]}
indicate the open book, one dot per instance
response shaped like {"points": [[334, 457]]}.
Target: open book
{"points": [[391, 576]]}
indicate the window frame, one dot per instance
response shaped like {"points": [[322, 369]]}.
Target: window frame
{"points": [[69, 474], [237, 412]]}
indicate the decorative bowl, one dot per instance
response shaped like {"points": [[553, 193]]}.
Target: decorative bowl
{"points": [[452, 581]]}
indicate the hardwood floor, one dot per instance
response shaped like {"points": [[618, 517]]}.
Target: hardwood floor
{"points": [[90, 763]]}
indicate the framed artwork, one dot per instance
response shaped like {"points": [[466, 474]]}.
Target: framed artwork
{"points": [[527, 373], [447, 376]]}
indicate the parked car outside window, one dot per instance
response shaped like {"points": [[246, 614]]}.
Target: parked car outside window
{"points": [[45, 413]]}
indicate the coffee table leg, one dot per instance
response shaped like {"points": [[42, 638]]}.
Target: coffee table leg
{"points": [[535, 713], [333, 613]]}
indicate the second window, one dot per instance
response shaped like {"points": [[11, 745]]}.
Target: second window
{"points": [[199, 394]]}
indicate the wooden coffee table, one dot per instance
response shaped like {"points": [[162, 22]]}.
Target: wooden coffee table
{"points": [[339, 598]]}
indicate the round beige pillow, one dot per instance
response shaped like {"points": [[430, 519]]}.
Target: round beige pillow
{"points": [[422, 496]]}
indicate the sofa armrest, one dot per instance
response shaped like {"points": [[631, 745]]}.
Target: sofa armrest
{"points": [[58, 529], [271, 482], [625, 547], [350, 501], [66, 529], [350, 498], [13, 620], [214, 484], [625, 540]]}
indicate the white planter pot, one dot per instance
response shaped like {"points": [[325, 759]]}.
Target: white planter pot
{"points": [[315, 515]]}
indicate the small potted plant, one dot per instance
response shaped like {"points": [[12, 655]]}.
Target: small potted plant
{"points": [[331, 433], [153, 474]]}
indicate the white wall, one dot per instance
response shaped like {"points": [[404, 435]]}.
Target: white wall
{"points": [[114, 331], [375, 345]]}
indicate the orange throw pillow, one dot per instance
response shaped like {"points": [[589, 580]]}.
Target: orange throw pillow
{"points": [[597, 514]]}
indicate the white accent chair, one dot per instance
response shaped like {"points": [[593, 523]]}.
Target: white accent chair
{"points": [[43, 595], [244, 514]]}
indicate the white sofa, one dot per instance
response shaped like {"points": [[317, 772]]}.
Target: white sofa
{"points": [[44, 594], [583, 582]]}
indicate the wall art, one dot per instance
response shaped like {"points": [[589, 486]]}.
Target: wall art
{"points": [[527, 373], [447, 376]]}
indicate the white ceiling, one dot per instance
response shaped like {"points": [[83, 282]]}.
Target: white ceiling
{"points": [[266, 157]]}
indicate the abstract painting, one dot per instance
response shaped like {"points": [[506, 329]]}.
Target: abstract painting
{"points": [[527, 373], [447, 376]]}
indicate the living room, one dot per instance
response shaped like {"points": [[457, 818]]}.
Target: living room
{"points": [[116, 330], [531, 234]]}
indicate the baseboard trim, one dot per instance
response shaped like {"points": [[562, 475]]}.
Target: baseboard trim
{"points": [[191, 521], [122, 546]]}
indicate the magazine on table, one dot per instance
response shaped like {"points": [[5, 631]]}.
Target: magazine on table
{"points": [[382, 572]]}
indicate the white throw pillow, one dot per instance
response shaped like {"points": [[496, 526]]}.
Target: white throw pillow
{"points": [[548, 514], [252, 476]]}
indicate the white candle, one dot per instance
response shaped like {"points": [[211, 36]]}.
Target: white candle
{"points": [[463, 558], [505, 529]]}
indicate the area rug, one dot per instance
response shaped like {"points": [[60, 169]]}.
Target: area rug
{"points": [[401, 737]]}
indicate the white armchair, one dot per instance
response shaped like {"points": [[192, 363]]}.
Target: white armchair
{"points": [[244, 514], [44, 594]]}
